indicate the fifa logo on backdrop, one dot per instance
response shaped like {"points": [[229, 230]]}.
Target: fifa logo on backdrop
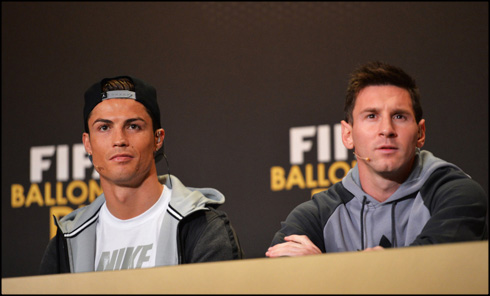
{"points": [[66, 193], [331, 163]]}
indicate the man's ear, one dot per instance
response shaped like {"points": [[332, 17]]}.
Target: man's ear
{"points": [[421, 134], [159, 136], [347, 135], [86, 143]]}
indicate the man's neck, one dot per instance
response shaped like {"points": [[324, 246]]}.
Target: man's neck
{"points": [[381, 186], [126, 202]]}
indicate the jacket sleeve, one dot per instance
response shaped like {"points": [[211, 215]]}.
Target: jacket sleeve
{"points": [[55, 258], [308, 218], [208, 236], [458, 208]]}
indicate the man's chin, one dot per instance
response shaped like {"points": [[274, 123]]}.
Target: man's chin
{"points": [[122, 178]]}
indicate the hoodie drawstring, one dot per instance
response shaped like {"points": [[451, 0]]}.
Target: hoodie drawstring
{"points": [[393, 225], [394, 242], [362, 222]]}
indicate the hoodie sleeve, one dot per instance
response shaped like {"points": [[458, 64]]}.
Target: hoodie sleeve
{"points": [[303, 220], [310, 217], [209, 236], [458, 208], [55, 258]]}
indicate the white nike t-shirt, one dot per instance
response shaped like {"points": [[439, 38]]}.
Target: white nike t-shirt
{"points": [[131, 243]]}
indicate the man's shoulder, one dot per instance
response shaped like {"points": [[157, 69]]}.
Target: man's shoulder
{"points": [[451, 181], [205, 216], [325, 201], [337, 193], [447, 174]]}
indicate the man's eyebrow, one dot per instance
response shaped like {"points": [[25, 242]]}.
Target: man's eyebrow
{"points": [[403, 111], [370, 110], [129, 120], [395, 111], [102, 120]]}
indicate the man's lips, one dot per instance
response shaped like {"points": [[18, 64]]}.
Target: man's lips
{"points": [[386, 148], [121, 157]]}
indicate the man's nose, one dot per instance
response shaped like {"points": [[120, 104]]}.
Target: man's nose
{"points": [[387, 128], [120, 138]]}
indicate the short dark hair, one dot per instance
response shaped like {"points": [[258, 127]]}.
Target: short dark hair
{"points": [[380, 73]]}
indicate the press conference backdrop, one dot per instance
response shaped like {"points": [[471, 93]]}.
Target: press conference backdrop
{"points": [[251, 96]]}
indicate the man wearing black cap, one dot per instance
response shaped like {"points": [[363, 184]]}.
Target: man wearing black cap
{"points": [[141, 220]]}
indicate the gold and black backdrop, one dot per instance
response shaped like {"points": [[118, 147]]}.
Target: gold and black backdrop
{"points": [[251, 96]]}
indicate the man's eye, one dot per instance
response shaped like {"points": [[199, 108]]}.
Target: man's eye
{"points": [[103, 128], [134, 126], [399, 116], [371, 116]]}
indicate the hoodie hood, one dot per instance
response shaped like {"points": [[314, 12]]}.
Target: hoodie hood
{"points": [[425, 163], [186, 200]]}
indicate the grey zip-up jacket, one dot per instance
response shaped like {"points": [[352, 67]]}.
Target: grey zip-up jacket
{"points": [[193, 230], [438, 203]]}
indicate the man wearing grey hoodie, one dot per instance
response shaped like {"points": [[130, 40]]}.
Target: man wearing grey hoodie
{"points": [[396, 195]]}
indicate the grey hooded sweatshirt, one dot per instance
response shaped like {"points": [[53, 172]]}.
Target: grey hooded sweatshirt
{"points": [[192, 231], [438, 203]]}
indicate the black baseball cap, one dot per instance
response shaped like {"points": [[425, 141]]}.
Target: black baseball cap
{"points": [[143, 93]]}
